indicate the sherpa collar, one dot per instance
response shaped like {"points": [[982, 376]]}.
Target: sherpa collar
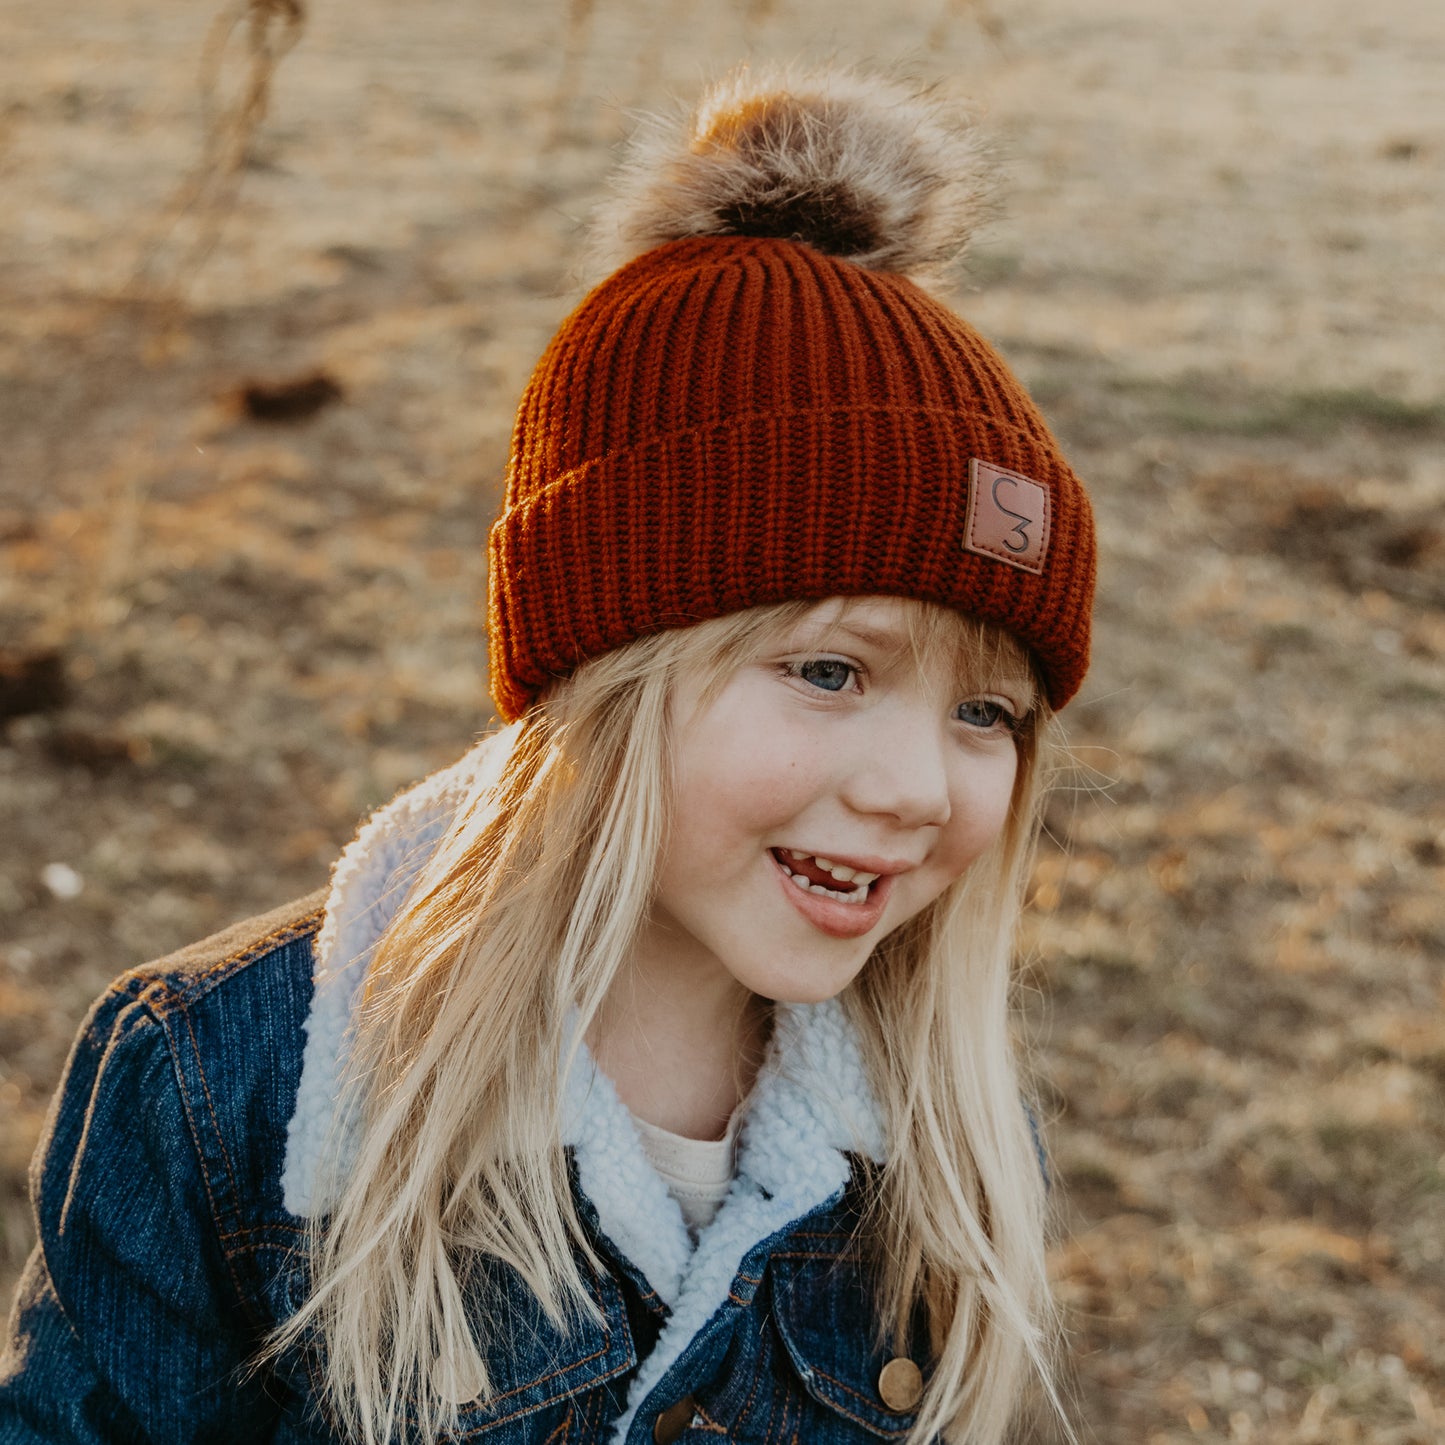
{"points": [[812, 1101]]}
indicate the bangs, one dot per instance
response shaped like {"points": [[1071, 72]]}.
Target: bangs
{"points": [[984, 654]]}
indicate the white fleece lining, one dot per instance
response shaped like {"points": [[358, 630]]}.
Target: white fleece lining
{"points": [[812, 1102], [368, 884]]}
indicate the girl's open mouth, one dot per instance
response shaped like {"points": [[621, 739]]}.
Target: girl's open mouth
{"points": [[811, 874], [840, 901]]}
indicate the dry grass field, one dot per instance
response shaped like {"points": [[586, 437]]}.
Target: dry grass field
{"points": [[225, 636]]}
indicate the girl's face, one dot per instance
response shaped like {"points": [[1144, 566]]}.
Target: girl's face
{"points": [[832, 787]]}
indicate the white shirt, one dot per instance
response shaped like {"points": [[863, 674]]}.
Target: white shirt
{"points": [[697, 1172]]}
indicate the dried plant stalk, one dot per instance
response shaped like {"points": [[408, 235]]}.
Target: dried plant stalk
{"points": [[208, 193]]}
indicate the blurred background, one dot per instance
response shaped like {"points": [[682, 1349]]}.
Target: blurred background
{"points": [[272, 279]]}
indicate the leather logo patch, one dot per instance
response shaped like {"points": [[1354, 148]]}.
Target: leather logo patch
{"points": [[1008, 516]]}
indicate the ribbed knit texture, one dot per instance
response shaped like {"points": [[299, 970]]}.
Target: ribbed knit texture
{"points": [[732, 421]]}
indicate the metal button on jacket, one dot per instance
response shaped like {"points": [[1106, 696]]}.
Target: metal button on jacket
{"points": [[673, 1421], [900, 1384]]}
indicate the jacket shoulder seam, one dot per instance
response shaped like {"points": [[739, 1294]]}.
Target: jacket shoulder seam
{"points": [[160, 987]]}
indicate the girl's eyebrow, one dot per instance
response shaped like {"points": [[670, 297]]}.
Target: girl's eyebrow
{"points": [[1025, 691], [814, 633], [882, 637]]}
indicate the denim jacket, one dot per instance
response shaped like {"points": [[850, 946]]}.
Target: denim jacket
{"points": [[180, 1162]]}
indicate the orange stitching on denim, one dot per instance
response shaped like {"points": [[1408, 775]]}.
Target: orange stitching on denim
{"points": [[777, 1418], [471, 1432], [265, 1227], [752, 1279], [245, 954], [542, 1379], [287, 933], [247, 1301], [82, 1146], [244, 1231], [842, 1409], [703, 1421], [559, 1435], [847, 1389], [211, 1110], [241, 1295], [844, 1386], [752, 1395], [790, 1399], [595, 1414]]}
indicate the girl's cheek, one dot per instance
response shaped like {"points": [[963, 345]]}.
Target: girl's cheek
{"points": [[985, 810]]}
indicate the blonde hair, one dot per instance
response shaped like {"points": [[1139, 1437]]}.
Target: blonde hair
{"points": [[500, 957]]}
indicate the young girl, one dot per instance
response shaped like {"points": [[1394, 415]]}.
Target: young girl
{"points": [[647, 1074]]}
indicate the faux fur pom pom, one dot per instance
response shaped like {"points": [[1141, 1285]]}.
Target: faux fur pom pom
{"points": [[886, 176]]}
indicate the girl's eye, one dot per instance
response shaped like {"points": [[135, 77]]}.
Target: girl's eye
{"points": [[829, 674], [986, 714]]}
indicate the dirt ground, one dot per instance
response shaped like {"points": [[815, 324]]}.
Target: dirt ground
{"points": [[1219, 271]]}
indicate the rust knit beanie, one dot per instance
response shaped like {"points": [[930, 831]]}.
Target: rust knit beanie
{"points": [[764, 407]]}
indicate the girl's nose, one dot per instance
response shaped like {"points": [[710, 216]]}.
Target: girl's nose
{"points": [[901, 772]]}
